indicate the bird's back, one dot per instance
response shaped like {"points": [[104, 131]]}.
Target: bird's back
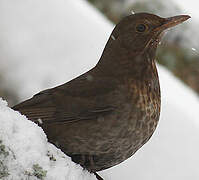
{"points": [[98, 121]]}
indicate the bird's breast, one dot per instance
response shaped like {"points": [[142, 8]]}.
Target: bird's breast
{"points": [[144, 102]]}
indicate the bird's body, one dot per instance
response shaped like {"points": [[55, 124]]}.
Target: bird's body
{"points": [[104, 116]]}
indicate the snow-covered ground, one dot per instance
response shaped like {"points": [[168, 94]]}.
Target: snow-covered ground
{"points": [[26, 154], [46, 43]]}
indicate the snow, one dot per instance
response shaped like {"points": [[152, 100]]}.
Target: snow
{"points": [[112, 37], [46, 43], [195, 50], [26, 148], [172, 151], [47, 39]]}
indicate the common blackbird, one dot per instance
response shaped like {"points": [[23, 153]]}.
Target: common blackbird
{"points": [[104, 116]]}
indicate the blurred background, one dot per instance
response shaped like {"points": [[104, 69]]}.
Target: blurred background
{"points": [[177, 49], [47, 43], [177, 52]]}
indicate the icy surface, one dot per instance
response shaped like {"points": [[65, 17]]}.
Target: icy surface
{"points": [[46, 43]]}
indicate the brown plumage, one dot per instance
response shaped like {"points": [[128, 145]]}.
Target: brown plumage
{"points": [[104, 116]]}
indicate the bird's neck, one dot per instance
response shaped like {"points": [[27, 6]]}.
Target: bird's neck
{"points": [[120, 62]]}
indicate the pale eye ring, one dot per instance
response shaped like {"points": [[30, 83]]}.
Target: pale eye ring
{"points": [[141, 28]]}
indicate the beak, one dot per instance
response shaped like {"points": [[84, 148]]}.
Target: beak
{"points": [[172, 21]]}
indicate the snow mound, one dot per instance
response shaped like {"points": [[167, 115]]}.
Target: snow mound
{"points": [[46, 43], [26, 154]]}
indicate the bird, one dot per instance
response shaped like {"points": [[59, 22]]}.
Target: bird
{"points": [[105, 115]]}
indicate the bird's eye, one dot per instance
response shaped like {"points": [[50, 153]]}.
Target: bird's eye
{"points": [[141, 28]]}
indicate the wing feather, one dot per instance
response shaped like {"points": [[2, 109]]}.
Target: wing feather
{"points": [[69, 103]]}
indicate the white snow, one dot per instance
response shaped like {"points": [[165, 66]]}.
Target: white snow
{"points": [[195, 50], [46, 43], [113, 37], [27, 146], [172, 151]]}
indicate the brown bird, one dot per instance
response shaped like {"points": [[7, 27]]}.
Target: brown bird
{"points": [[104, 116]]}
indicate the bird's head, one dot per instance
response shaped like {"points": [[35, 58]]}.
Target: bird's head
{"points": [[132, 45], [140, 31]]}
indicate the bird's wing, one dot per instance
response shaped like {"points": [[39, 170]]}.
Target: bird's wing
{"points": [[77, 100]]}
